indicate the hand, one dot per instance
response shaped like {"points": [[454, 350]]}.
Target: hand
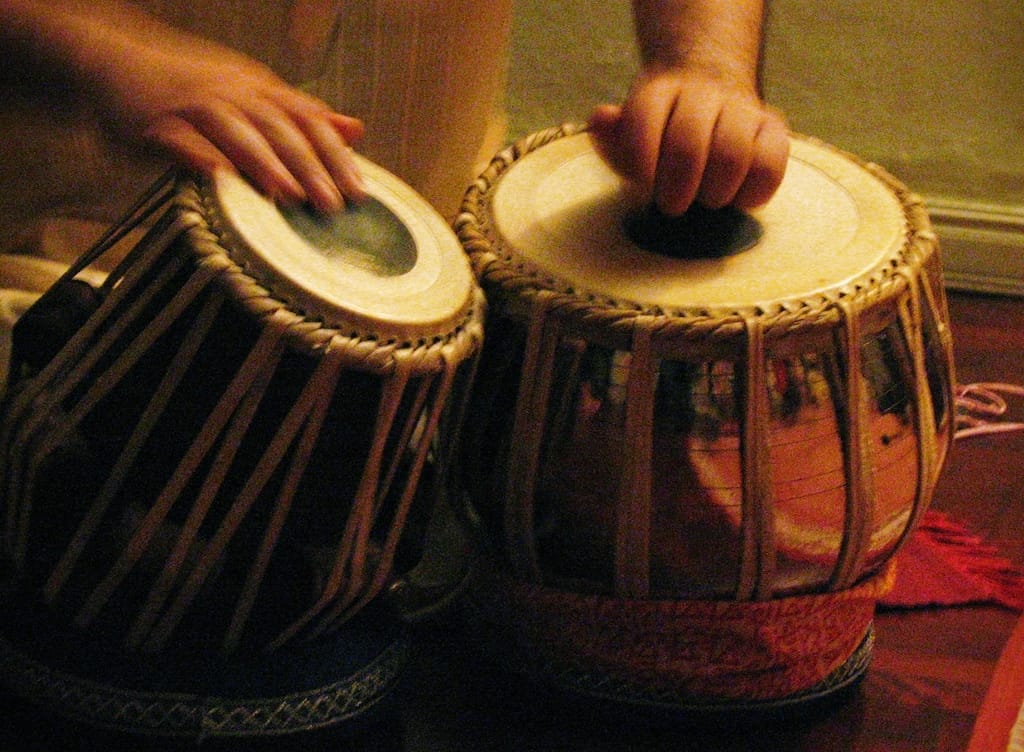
{"points": [[211, 108], [688, 135]]}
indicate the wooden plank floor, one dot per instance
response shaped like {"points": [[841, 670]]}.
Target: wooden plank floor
{"points": [[929, 676]]}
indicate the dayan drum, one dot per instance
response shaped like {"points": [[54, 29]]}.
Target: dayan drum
{"points": [[698, 443], [209, 483]]}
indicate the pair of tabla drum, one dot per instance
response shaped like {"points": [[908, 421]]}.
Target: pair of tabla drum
{"points": [[694, 446]]}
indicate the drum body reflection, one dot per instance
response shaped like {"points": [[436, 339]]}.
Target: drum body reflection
{"points": [[697, 459]]}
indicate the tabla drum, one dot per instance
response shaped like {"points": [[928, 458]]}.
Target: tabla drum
{"points": [[697, 443], [220, 467]]}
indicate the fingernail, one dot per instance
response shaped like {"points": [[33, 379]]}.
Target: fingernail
{"points": [[327, 196], [357, 188], [290, 190], [353, 179]]}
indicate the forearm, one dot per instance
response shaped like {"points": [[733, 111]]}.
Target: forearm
{"points": [[74, 44], [52, 44], [722, 37]]}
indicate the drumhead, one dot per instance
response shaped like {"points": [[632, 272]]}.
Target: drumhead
{"points": [[390, 268], [560, 212]]}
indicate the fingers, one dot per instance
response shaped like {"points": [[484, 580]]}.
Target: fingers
{"points": [[630, 137], [293, 157], [330, 160], [185, 144], [768, 166], [350, 128], [244, 139], [211, 108], [315, 144], [292, 145], [215, 142], [691, 140], [604, 135], [730, 152], [683, 160]]}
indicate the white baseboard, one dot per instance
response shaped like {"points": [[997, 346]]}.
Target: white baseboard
{"points": [[982, 245]]}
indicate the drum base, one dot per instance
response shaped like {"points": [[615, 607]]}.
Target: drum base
{"points": [[544, 637], [594, 693], [343, 680], [590, 693]]}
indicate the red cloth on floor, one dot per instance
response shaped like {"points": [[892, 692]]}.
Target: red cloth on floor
{"points": [[944, 564]]}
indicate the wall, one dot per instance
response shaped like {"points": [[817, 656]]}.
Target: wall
{"points": [[932, 90]]}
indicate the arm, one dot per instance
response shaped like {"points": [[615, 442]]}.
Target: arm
{"points": [[693, 126], [179, 96]]}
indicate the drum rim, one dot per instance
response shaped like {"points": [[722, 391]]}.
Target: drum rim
{"points": [[180, 713], [388, 305], [377, 349], [596, 686], [504, 274]]}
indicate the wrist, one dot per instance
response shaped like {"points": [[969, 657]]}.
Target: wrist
{"points": [[716, 40], [696, 75]]}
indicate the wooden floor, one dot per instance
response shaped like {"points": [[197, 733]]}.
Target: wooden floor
{"points": [[930, 672]]}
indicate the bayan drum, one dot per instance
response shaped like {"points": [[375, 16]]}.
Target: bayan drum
{"points": [[219, 468], [697, 442]]}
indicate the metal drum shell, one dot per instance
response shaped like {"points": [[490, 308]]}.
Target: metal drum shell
{"points": [[901, 287]]}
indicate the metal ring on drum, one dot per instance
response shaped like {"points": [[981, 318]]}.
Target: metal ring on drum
{"points": [[716, 446], [224, 459]]}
